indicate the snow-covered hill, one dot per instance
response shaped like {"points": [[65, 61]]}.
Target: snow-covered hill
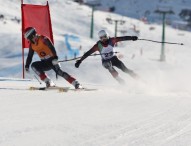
{"points": [[139, 8], [153, 112]]}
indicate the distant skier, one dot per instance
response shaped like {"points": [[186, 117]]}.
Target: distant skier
{"points": [[106, 48], [49, 59]]}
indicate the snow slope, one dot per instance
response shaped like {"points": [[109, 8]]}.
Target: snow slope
{"points": [[139, 8], [152, 112], [111, 116]]}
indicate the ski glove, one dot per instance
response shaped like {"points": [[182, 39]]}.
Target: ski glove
{"points": [[55, 61], [77, 64], [134, 38], [26, 68]]}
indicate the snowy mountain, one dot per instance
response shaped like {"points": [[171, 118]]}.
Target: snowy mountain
{"points": [[154, 111], [138, 8]]}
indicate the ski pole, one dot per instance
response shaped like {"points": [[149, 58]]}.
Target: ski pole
{"points": [[103, 53], [37, 79], [81, 57], [69, 59], [30, 74], [161, 42]]}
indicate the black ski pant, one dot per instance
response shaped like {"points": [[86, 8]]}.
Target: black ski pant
{"points": [[39, 67], [114, 61]]}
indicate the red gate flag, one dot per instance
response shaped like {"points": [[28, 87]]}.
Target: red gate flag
{"points": [[37, 16]]}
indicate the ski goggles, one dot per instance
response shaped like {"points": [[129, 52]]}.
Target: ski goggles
{"points": [[104, 37]]}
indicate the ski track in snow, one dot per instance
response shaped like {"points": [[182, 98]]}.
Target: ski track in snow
{"points": [[139, 132], [120, 118]]}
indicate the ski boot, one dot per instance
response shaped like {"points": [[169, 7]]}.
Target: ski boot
{"points": [[49, 83], [133, 75], [77, 85], [120, 80]]}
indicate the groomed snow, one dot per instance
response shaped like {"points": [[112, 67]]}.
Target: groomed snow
{"points": [[154, 111]]}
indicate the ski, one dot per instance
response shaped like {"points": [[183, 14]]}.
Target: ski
{"points": [[84, 89], [60, 89]]}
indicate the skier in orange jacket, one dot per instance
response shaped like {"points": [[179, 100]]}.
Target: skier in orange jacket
{"points": [[49, 59]]}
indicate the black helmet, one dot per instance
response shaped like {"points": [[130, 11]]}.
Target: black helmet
{"points": [[29, 33]]}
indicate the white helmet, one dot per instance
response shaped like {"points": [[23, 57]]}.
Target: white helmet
{"points": [[103, 33]]}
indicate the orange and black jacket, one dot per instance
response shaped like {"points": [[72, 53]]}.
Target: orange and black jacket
{"points": [[43, 47]]}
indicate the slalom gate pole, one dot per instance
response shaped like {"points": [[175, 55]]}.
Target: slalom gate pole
{"points": [[81, 57], [161, 42]]}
